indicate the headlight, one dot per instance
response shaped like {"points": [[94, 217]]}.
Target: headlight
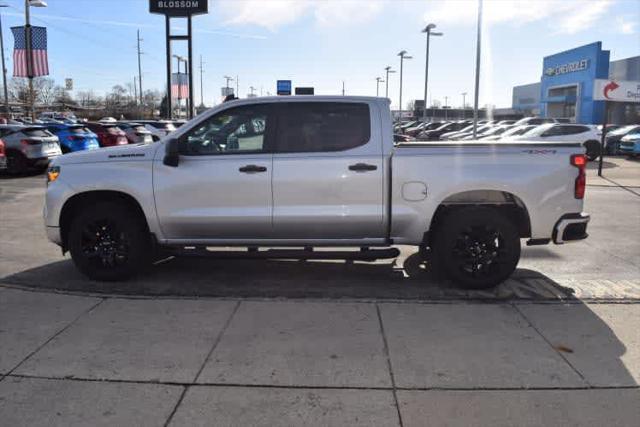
{"points": [[53, 173]]}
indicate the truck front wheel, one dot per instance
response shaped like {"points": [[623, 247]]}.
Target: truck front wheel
{"points": [[108, 242], [476, 247]]}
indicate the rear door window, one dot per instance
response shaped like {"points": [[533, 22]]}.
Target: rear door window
{"points": [[305, 127]]}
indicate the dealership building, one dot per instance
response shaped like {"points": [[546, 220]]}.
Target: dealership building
{"points": [[566, 87]]}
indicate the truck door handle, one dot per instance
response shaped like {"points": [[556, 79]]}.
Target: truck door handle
{"points": [[362, 167], [252, 169]]}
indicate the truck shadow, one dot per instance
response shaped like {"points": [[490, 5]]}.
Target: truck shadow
{"points": [[404, 278]]}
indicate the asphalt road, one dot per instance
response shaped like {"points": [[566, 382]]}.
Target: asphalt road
{"points": [[604, 266]]}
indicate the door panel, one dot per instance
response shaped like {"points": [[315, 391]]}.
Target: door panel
{"points": [[333, 187], [320, 197], [207, 197], [221, 188]]}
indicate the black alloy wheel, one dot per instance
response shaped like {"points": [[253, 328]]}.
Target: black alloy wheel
{"points": [[109, 242], [476, 247]]}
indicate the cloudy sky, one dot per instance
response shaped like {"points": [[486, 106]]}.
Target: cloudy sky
{"points": [[322, 43]]}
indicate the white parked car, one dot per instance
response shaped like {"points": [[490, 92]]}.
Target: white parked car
{"points": [[314, 171], [587, 135]]}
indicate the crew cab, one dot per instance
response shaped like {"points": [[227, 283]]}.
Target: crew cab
{"points": [[311, 171]]}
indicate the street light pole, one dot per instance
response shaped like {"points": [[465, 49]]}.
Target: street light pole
{"points": [[464, 111], [475, 96], [386, 90], [446, 98], [403, 55], [4, 70], [378, 80], [428, 29]]}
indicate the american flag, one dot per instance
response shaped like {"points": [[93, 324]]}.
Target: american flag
{"points": [[40, 66], [180, 85]]}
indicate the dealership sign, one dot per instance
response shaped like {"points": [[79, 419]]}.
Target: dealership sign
{"points": [[616, 90], [283, 87], [569, 67], [179, 7]]}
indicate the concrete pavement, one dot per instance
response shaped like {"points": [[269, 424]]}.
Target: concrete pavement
{"points": [[190, 362]]}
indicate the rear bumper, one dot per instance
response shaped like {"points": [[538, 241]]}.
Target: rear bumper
{"points": [[571, 227]]}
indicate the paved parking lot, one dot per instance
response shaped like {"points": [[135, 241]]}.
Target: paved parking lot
{"points": [[242, 342]]}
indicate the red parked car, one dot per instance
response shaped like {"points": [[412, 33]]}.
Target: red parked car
{"points": [[3, 157], [108, 134]]}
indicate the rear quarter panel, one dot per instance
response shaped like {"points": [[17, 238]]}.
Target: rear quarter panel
{"points": [[539, 174]]}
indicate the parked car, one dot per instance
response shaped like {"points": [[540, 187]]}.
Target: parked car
{"points": [[612, 138], [534, 121], [514, 131], [398, 137], [329, 174], [28, 147], [434, 134], [109, 134], [75, 137], [452, 135], [630, 143], [423, 127], [481, 130], [158, 128], [3, 156], [136, 133], [495, 132], [587, 135], [506, 122]]}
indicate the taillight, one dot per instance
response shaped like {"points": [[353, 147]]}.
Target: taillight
{"points": [[580, 161]]}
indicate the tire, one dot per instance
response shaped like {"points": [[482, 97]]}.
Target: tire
{"points": [[16, 163], [593, 149], [476, 247], [108, 242]]}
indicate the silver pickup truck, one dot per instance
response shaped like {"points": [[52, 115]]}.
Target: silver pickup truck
{"points": [[310, 171]]}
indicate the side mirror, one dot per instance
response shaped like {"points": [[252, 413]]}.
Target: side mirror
{"points": [[171, 153]]}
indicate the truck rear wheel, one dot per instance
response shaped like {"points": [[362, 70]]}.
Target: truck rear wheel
{"points": [[476, 247], [108, 242]]}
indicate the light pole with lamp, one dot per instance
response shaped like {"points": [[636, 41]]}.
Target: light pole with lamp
{"points": [[29, 59], [429, 30], [228, 79], [403, 55], [4, 70], [386, 90], [378, 80]]}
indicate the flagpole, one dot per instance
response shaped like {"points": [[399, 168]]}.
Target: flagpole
{"points": [[29, 58]]}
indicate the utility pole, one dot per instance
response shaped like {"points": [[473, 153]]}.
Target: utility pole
{"points": [[4, 69], [139, 68], [386, 90], [201, 71], [476, 94], [343, 88], [378, 80], [237, 86], [135, 89]]}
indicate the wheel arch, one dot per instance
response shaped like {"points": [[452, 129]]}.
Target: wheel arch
{"points": [[77, 201], [507, 203]]}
